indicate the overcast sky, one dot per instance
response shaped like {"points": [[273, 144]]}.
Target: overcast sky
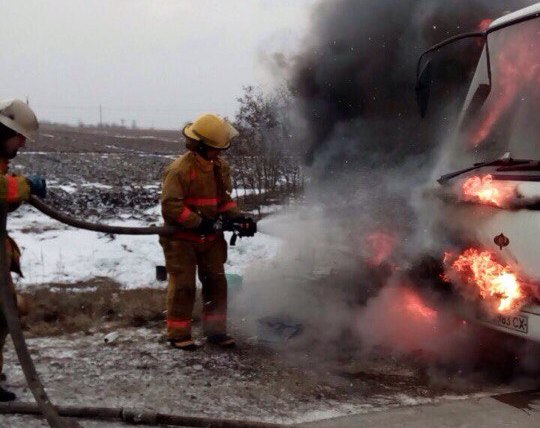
{"points": [[159, 62]]}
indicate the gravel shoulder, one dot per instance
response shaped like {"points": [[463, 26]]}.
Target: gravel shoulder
{"points": [[252, 382]]}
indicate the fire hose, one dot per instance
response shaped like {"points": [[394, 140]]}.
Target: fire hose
{"points": [[44, 405], [135, 416], [238, 229], [97, 227], [14, 325]]}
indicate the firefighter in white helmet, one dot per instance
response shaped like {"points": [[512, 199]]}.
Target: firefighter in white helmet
{"points": [[17, 124], [196, 192]]}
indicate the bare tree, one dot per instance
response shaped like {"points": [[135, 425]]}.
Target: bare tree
{"points": [[265, 161]]}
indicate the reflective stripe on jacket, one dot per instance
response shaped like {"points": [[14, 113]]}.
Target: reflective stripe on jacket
{"points": [[13, 190], [194, 187]]}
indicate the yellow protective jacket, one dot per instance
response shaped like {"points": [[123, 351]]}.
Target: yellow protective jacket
{"points": [[193, 188], [13, 190]]}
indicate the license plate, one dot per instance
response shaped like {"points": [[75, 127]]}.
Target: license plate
{"points": [[512, 322]]}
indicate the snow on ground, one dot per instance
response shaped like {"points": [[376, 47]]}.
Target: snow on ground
{"points": [[65, 187], [145, 137], [268, 209], [97, 185], [139, 370], [53, 252], [240, 191]]}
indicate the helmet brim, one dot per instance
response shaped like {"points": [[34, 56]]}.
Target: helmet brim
{"points": [[233, 131], [11, 124], [188, 132]]}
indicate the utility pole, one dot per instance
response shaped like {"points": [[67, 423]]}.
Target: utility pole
{"points": [[100, 116]]}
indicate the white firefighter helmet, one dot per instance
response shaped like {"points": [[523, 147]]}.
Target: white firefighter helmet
{"points": [[212, 130], [18, 116]]}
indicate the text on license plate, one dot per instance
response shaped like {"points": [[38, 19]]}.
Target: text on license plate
{"points": [[512, 322]]}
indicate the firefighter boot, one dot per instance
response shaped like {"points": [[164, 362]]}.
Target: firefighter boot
{"points": [[223, 340], [185, 344]]}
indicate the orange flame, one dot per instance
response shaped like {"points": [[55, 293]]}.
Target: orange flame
{"points": [[515, 67], [415, 306], [484, 24], [380, 246], [485, 190], [485, 278]]}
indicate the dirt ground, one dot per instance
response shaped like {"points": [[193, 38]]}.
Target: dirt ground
{"points": [[98, 305], [70, 139], [252, 382], [104, 173], [281, 382], [287, 382]]}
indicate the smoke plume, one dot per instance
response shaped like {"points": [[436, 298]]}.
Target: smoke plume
{"points": [[369, 156], [355, 78]]}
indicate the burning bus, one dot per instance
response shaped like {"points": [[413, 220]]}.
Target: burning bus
{"points": [[488, 218]]}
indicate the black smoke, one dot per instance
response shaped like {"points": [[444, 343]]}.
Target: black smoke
{"points": [[353, 80], [370, 155], [355, 77]]}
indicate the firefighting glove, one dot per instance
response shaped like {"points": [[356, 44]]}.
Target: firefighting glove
{"points": [[207, 226], [245, 226], [38, 186]]}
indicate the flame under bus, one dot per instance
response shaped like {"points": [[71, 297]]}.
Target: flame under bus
{"points": [[491, 169]]}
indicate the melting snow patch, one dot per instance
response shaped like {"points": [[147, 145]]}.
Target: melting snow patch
{"points": [[97, 185], [407, 400], [65, 188], [338, 410]]}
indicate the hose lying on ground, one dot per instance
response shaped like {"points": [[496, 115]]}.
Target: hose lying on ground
{"points": [[97, 227], [11, 315], [134, 416]]}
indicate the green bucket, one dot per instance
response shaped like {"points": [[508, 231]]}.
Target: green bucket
{"points": [[234, 281]]}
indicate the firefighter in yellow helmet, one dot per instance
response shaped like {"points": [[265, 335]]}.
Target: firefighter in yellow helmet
{"points": [[17, 124], [196, 192]]}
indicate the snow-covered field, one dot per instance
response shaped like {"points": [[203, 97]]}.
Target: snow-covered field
{"points": [[116, 181], [53, 252], [247, 383]]}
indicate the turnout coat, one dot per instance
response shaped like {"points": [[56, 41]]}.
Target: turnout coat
{"points": [[13, 191]]}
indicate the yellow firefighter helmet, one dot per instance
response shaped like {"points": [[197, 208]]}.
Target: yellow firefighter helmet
{"points": [[212, 130], [16, 115]]}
